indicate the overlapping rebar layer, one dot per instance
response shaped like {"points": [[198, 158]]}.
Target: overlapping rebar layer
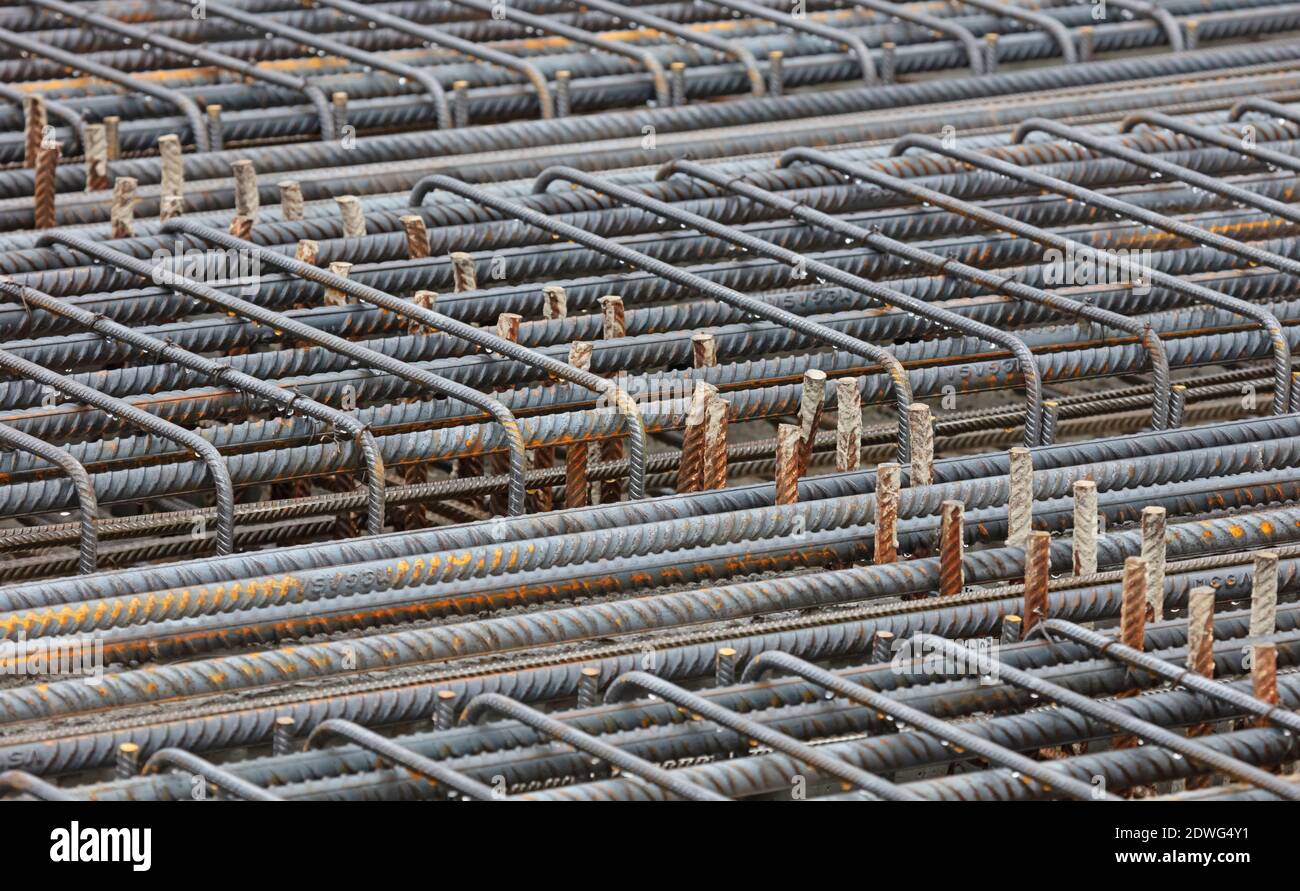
{"points": [[616, 400]]}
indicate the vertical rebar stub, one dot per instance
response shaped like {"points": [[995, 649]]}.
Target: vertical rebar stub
{"points": [[613, 324], [170, 206], [464, 277], [724, 667], [1009, 630], [888, 481], [417, 236], [96, 152], [307, 251], [339, 107], [588, 687], [246, 197], [425, 300], [888, 62], [677, 83], [704, 350], [354, 219], [1038, 567], [112, 137], [334, 296], [121, 214], [216, 134], [576, 487], [172, 165], [282, 735], [1263, 596], [1200, 631], [990, 53], [291, 203], [848, 425], [460, 103], [921, 426], [1263, 673], [882, 646], [508, 326], [1153, 551], [555, 302], [44, 187], [715, 443], [35, 120], [1133, 604], [1177, 405], [444, 709], [775, 73], [812, 400], [690, 468], [563, 93], [787, 464], [1020, 500], [1085, 527], [1087, 43], [951, 577], [128, 760]]}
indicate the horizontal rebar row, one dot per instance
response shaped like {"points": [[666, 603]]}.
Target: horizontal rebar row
{"points": [[631, 401]]}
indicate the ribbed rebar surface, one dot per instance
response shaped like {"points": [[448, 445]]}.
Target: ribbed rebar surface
{"points": [[637, 401]]}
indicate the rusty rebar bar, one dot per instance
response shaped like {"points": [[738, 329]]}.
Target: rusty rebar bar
{"points": [[888, 482], [1038, 567], [1154, 546], [44, 189], [788, 439], [951, 531]]}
